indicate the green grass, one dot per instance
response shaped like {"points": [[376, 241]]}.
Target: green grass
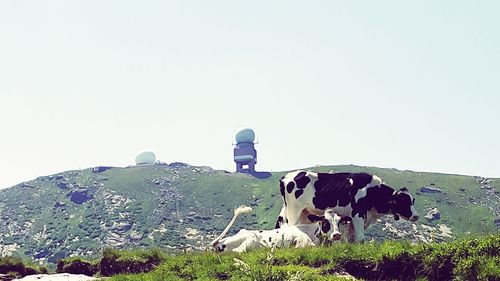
{"points": [[473, 258]]}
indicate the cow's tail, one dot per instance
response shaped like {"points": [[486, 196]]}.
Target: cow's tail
{"points": [[240, 210]]}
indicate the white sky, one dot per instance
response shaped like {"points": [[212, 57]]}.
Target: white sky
{"points": [[404, 84]]}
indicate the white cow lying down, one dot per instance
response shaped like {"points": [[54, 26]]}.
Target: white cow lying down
{"points": [[301, 235]]}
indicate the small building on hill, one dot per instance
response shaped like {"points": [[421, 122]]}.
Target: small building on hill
{"points": [[245, 155], [145, 157]]}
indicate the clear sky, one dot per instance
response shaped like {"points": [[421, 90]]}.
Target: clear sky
{"points": [[402, 84]]}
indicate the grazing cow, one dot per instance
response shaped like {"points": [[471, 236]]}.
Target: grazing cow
{"points": [[298, 235], [359, 196]]}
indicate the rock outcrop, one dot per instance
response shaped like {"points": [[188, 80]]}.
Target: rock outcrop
{"points": [[430, 189], [433, 214], [491, 196], [79, 196], [100, 169], [416, 232]]}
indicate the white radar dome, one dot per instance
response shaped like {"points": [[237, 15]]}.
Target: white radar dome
{"points": [[145, 157], [244, 135]]}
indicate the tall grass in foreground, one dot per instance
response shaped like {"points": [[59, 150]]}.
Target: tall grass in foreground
{"points": [[474, 258]]}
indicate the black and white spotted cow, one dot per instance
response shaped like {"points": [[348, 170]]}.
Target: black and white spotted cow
{"points": [[359, 196], [302, 235]]}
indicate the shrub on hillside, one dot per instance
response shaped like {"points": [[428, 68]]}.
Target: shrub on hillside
{"points": [[116, 262], [15, 266], [77, 266], [10, 264]]}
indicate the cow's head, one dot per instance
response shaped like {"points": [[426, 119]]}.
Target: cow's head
{"points": [[332, 221], [328, 223], [402, 204], [232, 243], [220, 247]]}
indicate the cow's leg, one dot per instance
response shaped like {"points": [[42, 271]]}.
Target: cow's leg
{"points": [[351, 235], [243, 247], [293, 215], [252, 242], [359, 228], [281, 217], [303, 241]]}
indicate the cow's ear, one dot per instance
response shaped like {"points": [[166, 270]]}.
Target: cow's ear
{"points": [[396, 217], [403, 189]]}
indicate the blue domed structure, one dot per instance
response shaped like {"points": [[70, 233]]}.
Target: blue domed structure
{"points": [[246, 135], [245, 154]]}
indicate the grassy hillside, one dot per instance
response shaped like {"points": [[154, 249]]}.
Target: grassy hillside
{"points": [[178, 206]]}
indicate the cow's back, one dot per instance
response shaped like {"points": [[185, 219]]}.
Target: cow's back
{"points": [[338, 189], [315, 192]]}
